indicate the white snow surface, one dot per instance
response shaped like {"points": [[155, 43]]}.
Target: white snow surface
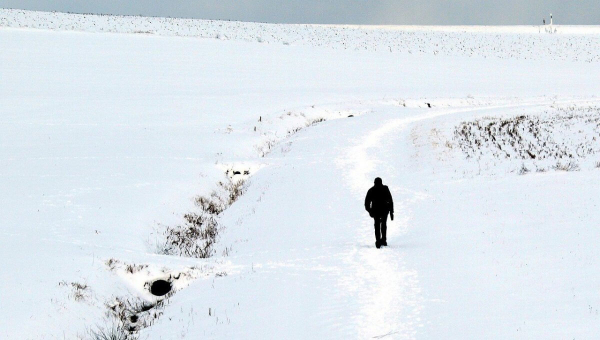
{"points": [[558, 42], [105, 138]]}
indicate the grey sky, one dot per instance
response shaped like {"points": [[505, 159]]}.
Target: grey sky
{"points": [[426, 12]]}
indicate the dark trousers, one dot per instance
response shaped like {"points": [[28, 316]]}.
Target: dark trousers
{"points": [[381, 228]]}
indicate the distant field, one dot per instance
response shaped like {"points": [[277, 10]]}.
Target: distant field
{"points": [[508, 42]]}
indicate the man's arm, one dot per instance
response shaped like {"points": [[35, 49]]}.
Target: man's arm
{"points": [[368, 201], [390, 200], [390, 203]]}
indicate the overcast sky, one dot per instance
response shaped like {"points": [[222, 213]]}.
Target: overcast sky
{"points": [[425, 12]]}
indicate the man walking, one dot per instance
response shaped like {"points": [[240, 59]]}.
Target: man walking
{"points": [[379, 203]]}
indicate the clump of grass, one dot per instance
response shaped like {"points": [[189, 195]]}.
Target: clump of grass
{"points": [[80, 291], [113, 331], [112, 263], [315, 121], [523, 170], [133, 268], [295, 130], [568, 166], [265, 148], [309, 123]]}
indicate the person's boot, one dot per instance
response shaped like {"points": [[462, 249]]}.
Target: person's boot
{"points": [[384, 243], [378, 244]]}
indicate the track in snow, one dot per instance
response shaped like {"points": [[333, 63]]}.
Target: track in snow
{"points": [[304, 262]]}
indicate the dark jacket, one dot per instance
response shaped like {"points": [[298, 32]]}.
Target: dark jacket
{"points": [[379, 201]]}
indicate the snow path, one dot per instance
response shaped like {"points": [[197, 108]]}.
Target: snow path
{"points": [[396, 287], [338, 282], [306, 266], [363, 165]]}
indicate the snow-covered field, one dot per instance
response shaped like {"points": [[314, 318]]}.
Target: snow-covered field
{"points": [[579, 43], [488, 138]]}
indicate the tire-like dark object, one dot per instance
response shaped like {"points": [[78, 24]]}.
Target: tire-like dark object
{"points": [[160, 287]]}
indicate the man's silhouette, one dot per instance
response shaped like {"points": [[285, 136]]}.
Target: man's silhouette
{"points": [[379, 203]]}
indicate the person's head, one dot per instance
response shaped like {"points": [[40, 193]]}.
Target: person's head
{"points": [[378, 182]]}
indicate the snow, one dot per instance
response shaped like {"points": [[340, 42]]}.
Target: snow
{"points": [[556, 42], [108, 138]]}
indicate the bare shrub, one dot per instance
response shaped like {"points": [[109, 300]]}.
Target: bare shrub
{"points": [[211, 205], [197, 235], [194, 238], [132, 315], [234, 190]]}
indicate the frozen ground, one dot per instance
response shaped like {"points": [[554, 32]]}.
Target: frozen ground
{"points": [[107, 138]]}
